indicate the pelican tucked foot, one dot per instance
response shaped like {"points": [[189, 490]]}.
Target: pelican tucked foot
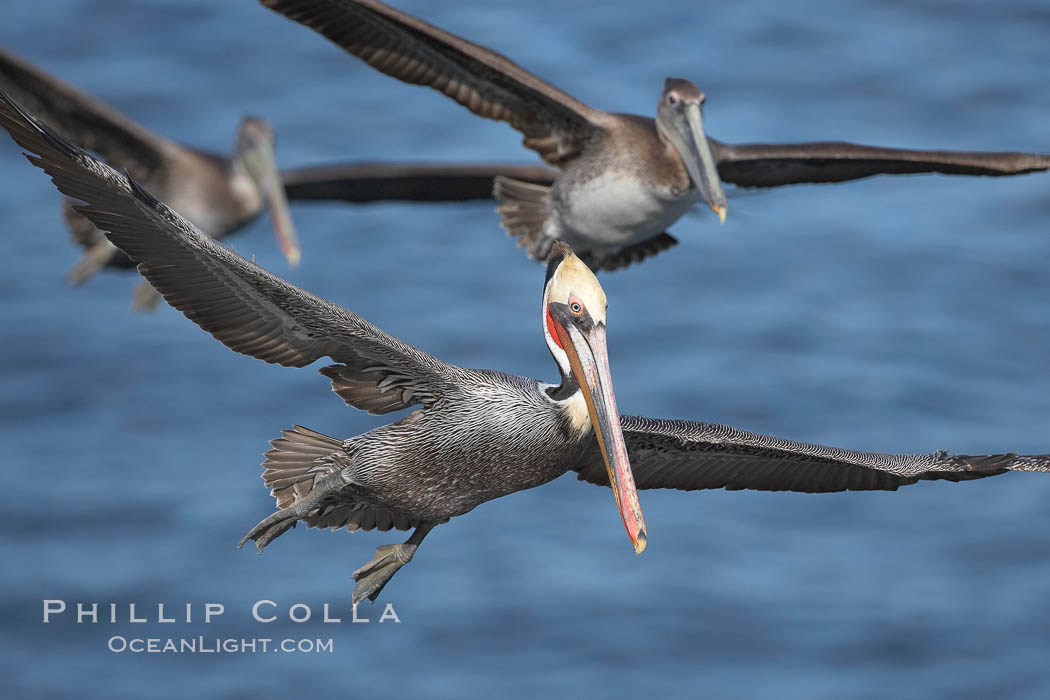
{"points": [[373, 576], [94, 259], [278, 523], [271, 528]]}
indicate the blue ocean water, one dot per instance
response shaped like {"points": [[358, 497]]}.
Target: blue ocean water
{"points": [[892, 314]]}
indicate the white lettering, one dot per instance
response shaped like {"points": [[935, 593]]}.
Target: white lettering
{"points": [[82, 613], [212, 610], [51, 609], [303, 606], [327, 618], [389, 614], [259, 604]]}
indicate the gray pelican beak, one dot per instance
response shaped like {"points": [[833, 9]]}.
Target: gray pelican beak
{"points": [[261, 164], [589, 360], [689, 140]]}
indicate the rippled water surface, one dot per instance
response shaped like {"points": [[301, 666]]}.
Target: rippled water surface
{"points": [[892, 314]]}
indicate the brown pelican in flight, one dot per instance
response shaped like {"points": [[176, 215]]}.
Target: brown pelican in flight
{"points": [[476, 434], [219, 194], [624, 178]]}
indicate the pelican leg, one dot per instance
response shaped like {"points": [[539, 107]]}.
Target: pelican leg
{"points": [[388, 559]]}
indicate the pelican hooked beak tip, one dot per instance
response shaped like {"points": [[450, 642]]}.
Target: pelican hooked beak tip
{"points": [[294, 256], [639, 542]]}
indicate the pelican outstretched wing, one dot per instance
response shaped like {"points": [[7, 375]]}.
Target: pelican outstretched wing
{"points": [[773, 165], [555, 124], [685, 455], [406, 182]]}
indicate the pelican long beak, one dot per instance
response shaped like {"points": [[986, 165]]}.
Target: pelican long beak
{"points": [[689, 139], [589, 360], [262, 165]]}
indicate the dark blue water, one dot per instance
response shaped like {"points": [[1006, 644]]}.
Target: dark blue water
{"points": [[894, 314]]}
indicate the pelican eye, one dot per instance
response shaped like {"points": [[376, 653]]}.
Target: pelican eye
{"points": [[672, 99], [576, 307]]}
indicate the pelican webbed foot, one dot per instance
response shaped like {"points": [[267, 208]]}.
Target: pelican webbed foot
{"points": [[373, 576]]}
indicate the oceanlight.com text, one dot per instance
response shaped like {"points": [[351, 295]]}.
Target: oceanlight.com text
{"points": [[217, 645]]}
